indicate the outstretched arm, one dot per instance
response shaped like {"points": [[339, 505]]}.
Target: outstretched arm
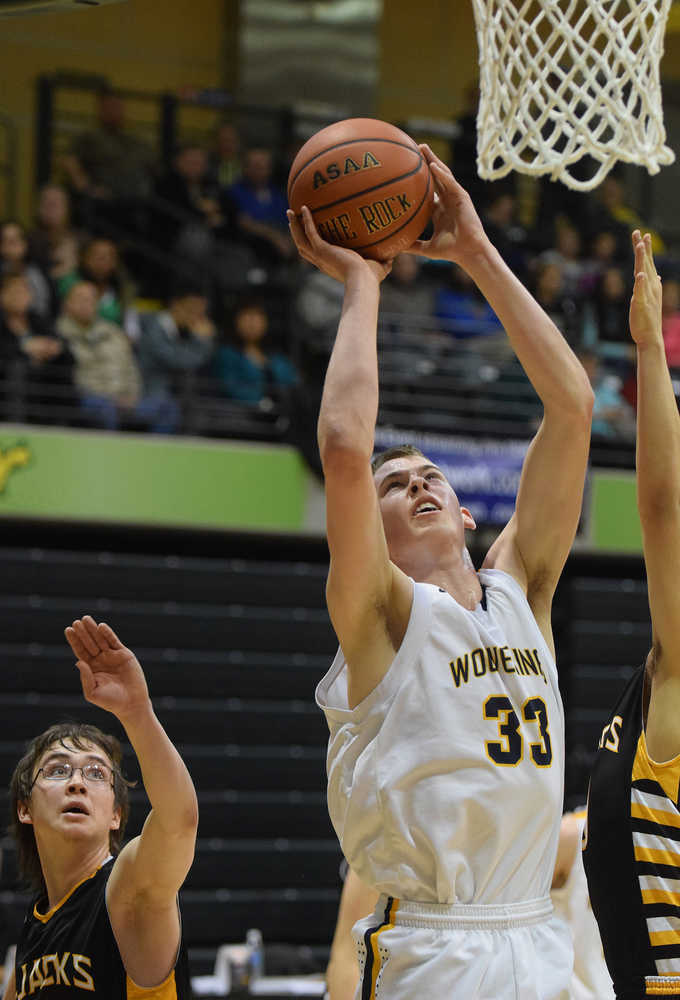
{"points": [[535, 544], [361, 586], [143, 886], [658, 492]]}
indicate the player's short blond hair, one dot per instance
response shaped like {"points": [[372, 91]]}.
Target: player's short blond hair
{"points": [[398, 451]]}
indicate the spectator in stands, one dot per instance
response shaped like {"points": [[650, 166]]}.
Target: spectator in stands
{"points": [[603, 250], [563, 308], [504, 228], [15, 259], [189, 205], [248, 370], [670, 304], [107, 919], [566, 254], [408, 326], [31, 352], [175, 344], [408, 293], [610, 304], [100, 265], [613, 416], [54, 243], [462, 309], [260, 208], [20, 326], [613, 212], [106, 372], [556, 205], [107, 166], [318, 305], [224, 163]]}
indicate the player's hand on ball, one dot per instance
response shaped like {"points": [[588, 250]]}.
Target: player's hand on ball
{"points": [[458, 232], [337, 262], [110, 673]]}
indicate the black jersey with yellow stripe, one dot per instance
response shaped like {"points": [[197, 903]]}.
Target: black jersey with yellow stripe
{"points": [[631, 854], [71, 949]]}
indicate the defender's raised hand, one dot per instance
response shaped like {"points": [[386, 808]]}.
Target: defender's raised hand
{"points": [[458, 232], [645, 304], [110, 673]]}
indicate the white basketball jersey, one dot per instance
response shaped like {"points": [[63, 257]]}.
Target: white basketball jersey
{"points": [[590, 980], [445, 783]]}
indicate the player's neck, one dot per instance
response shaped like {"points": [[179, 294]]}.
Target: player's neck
{"points": [[454, 573], [64, 869]]}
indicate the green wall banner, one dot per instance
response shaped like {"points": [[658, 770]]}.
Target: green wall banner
{"points": [[613, 516], [149, 479], [96, 476]]}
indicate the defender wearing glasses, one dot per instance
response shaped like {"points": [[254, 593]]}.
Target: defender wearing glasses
{"points": [[104, 920]]}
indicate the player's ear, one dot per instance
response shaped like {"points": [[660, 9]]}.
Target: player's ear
{"points": [[468, 520], [24, 813], [115, 819]]}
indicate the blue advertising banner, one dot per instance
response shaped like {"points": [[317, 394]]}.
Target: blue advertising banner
{"points": [[483, 472]]}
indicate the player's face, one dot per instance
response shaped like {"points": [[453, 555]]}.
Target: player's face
{"points": [[418, 504], [78, 806]]}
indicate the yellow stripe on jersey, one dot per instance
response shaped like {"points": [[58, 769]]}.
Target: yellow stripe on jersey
{"points": [[666, 773], [44, 917], [658, 938], [662, 986], [667, 818], [386, 926], [167, 990], [657, 857]]}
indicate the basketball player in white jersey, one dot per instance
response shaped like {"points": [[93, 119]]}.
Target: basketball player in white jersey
{"points": [[445, 760], [590, 979]]}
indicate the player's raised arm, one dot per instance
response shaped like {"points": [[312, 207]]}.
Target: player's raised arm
{"points": [[658, 494], [361, 579], [147, 874], [535, 545]]}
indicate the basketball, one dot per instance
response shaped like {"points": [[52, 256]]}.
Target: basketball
{"points": [[367, 185]]}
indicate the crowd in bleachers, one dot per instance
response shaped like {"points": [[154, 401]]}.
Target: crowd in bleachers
{"points": [[142, 287]]}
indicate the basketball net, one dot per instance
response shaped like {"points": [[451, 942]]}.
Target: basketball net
{"points": [[564, 79]]}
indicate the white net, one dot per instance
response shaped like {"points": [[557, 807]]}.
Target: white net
{"points": [[561, 80]]}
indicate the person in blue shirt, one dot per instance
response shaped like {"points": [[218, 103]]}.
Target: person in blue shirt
{"points": [[463, 311], [246, 369], [259, 207]]}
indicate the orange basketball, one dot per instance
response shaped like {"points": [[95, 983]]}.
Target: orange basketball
{"points": [[366, 184]]}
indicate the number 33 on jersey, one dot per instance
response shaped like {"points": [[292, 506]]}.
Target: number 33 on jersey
{"points": [[509, 750]]}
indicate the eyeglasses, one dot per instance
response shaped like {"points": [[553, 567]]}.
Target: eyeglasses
{"points": [[61, 770]]}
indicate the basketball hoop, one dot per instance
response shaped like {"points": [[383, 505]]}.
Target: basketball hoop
{"points": [[564, 79]]}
